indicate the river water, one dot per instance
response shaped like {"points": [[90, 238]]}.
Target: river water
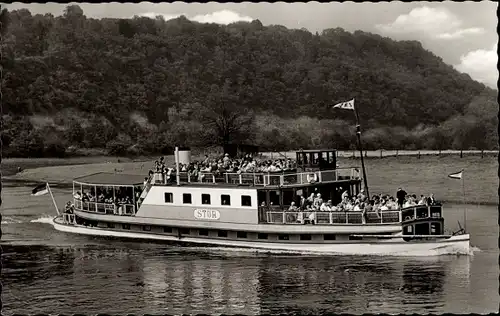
{"points": [[45, 271]]}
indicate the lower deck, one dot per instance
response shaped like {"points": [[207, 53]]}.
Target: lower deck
{"points": [[224, 234], [334, 244]]}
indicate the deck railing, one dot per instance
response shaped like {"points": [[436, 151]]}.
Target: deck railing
{"points": [[266, 179], [332, 218], [104, 208]]}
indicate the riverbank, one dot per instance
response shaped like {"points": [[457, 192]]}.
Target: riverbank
{"points": [[424, 175]]}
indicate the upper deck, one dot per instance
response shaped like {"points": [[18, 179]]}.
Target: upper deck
{"points": [[269, 179]]}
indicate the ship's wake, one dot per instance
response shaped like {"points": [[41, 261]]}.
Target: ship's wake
{"points": [[45, 219]]}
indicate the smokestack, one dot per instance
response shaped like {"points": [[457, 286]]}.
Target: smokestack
{"points": [[177, 171]]}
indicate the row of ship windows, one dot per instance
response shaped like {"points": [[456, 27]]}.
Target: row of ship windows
{"points": [[224, 233], [225, 199]]}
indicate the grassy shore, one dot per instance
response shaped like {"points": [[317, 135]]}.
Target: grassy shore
{"points": [[426, 175]]}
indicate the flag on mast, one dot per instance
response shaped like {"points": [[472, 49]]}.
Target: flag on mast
{"points": [[456, 175], [349, 105], [40, 190]]}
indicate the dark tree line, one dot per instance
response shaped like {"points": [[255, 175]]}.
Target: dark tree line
{"points": [[143, 85]]}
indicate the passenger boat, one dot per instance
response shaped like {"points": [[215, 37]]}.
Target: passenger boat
{"points": [[224, 210]]}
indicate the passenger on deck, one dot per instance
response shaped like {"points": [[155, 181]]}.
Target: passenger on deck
{"points": [[310, 200], [293, 207], [318, 201], [326, 207], [400, 195], [345, 195], [361, 195], [423, 200], [302, 203], [431, 200]]}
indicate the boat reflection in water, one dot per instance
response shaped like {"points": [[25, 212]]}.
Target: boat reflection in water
{"points": [[291, 284], [202, 285], [144, 278]]}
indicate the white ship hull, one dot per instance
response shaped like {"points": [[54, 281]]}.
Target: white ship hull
{"points": [[388, 247]]}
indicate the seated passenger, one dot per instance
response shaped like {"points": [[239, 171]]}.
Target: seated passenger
{"points": [[383, 206], [326, 207], [369, 206], [422, 201], [357, 207], [361, 195], [293, 207]]}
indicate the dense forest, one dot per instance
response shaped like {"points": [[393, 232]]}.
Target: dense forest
{"points": [[142, 85]]}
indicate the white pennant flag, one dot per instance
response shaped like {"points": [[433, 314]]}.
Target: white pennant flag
{"points": [[349, 105], [457, 175]]}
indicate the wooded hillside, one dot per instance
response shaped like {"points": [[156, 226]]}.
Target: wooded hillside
{"points": [[143, 85]]}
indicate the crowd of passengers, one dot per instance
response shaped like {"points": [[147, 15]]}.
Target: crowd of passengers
{"points": [[220, 165], [360, 202], [105, 195]]}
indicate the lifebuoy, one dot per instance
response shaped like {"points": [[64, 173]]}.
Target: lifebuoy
{"points": [[312, 177], [407, 218]]}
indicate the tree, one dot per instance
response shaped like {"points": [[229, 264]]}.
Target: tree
{"points": [[226, 122]]}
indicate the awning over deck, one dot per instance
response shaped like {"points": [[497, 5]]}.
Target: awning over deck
{"points": [[111, 179]]}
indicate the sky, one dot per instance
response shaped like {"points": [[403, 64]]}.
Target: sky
{"points": [[463, 34]]}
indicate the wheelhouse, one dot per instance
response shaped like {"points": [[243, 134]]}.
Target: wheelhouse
{"points": [[312, 160], [422, 220]]}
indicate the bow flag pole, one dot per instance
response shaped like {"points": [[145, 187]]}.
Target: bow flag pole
{"points": [[459, 175], [349, 105]]}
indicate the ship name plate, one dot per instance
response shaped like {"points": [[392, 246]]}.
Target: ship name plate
{"points": [[206, 214]]}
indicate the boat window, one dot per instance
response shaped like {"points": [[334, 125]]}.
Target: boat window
{"points": [[225, 199], [435, 229], [422, 229], [355, 238], [205, 199], [167, 229], [203, 232], [241, 235], [169, 197], [329, 237], [274, 197], [324, 156], [146, 228], [222, 233], [331, 156], [262, 236], [111, 225], [315, 159], [283, 237], [262, 198], [184, 231], [299, 158], [126, 226], [186, 198], [408, 230], [305, 158], [288, 196], [246, 200], [305, 237]]}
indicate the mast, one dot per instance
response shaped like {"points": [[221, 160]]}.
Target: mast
{"points": [[358, 134], [177, 171], [465, 209]]}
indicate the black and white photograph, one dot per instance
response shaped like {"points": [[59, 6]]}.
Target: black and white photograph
{"points": [[249, 158]]}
